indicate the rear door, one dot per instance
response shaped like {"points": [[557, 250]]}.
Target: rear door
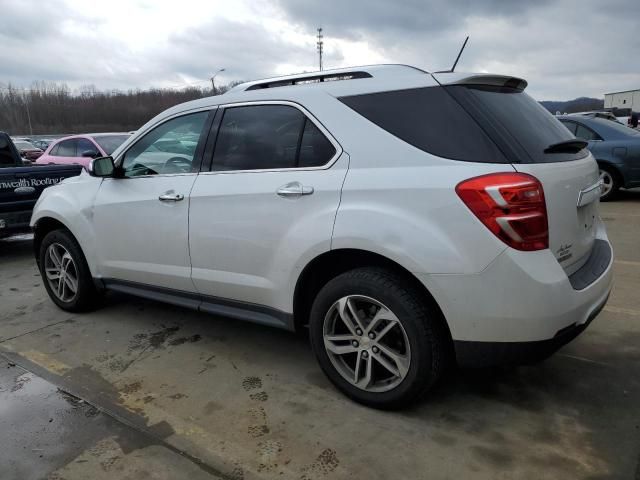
{"points": [[524, 131], [65, 152], [267, 204]]}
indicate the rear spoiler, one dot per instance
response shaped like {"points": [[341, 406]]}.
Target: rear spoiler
{"points": [[480, 79]]}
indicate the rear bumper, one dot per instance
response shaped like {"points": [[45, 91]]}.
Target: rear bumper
{"points": [[523, 306], [489, 354]]}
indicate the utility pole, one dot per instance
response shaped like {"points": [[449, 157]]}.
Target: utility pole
{"points": [[26, 104], [320, 45], [213, 79]]}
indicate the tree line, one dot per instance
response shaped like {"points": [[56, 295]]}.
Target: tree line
{"points": [[52, 108]]}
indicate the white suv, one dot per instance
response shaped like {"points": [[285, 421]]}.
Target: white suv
{"points": [[407, 219]]}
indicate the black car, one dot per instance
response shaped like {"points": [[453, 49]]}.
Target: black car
{"points": [[615, 147], [21, 185]]}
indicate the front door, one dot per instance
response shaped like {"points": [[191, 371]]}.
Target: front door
{"points": [[266, 207], [141, 220]]}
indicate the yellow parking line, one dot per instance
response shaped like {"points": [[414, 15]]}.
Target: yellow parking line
{"points": [[625, 311], [627, 262], [46, 361]]}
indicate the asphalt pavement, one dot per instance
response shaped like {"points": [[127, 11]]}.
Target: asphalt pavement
{"points": [[141, 390]]}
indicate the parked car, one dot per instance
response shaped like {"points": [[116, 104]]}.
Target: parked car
{"points": [[596, 114], [21, 185], [28, 150], [80, 149], [42, 144], [407, 219], [615, 147]]}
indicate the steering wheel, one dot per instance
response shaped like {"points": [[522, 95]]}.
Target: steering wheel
{"points": [[177, 165]]}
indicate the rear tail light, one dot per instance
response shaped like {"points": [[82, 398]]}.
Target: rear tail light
{"points": [[511, 205]]}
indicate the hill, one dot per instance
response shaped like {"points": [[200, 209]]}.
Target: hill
{"points": [[581, 104]]}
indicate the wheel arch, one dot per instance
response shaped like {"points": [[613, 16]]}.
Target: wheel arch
{"points": [[43, 226], [613, 167], [332, 263]]}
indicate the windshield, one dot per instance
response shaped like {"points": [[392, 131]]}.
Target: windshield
{"points": [[509, 112], [22, 145], [109, 143]]}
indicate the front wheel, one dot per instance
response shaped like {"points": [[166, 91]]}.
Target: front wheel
{"points": [[376, 339], [610, 183], [65, 272]]}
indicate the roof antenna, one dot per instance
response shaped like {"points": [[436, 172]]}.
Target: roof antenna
{"points": [[459, 53]]}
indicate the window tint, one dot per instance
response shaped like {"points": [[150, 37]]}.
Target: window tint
{"points": [[315, 149], [585, 133], [7, 156], [520, 126], [54, 150], [258, 137], [85, 145], [67, 148], [429, 119], [168, 148]]}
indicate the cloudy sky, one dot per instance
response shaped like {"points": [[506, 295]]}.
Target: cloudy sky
{"points": [[565, 48]]}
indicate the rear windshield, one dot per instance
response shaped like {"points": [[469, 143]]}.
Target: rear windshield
{"points": [[429, 119], [521, 127], [469, 123], [109, 143]]}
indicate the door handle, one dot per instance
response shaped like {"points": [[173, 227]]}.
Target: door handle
{"points": [[294, 189], [171, 197], [24, 190]]}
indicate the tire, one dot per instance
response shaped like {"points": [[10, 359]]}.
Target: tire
{"points": [[86, 297], [410, 321], [612, 182]]}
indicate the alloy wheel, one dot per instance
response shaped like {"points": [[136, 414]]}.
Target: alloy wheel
{"points": [[366, 343], [607, 182], [61, 272]]}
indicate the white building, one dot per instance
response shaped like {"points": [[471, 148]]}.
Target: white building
{"points": [[628, 99]]}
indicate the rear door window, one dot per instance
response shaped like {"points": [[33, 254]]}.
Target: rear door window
{"points": [[267, 137], [585, 133], [85, 145], [66, 148], [315, 149]]}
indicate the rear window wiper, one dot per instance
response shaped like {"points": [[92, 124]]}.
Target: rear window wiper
{"points": [[568, 146]]}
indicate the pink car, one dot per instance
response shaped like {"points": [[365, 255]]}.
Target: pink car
{"points": [[80, 149]]}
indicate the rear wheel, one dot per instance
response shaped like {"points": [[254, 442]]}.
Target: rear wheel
{"points": [[376, 339], [65, 272], [610, 183]]}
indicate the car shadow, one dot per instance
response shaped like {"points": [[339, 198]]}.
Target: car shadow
{"points": [[16, 247], [631, 195]]}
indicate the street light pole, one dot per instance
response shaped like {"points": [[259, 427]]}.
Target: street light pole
{"points": [[213, 79]]}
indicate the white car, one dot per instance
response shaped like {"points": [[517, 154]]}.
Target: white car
{"points": [[410, 220]]}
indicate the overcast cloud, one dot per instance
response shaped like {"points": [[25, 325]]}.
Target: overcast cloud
{"points": [[564, 48]]}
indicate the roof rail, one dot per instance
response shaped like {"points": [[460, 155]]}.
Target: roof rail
{"points": [[306, 78]]}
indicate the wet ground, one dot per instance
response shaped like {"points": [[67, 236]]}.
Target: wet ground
{"points": [[49, 432], [141, 390]]}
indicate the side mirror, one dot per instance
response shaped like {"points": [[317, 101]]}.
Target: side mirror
{"points": [[90, 154], [101, 167]]}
